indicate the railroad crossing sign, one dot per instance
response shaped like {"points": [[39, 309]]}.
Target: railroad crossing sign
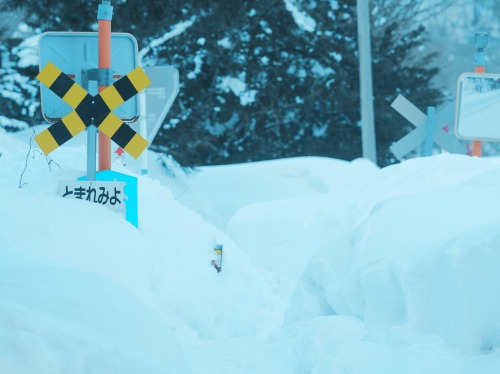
{"points": [[92, 110], [443, 123]]}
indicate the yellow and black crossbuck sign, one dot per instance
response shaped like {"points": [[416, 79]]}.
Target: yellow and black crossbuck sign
{"points": [[92, 110]]}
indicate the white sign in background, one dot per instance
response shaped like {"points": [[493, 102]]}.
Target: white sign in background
{"points": [[160, 96], [478, 107]]}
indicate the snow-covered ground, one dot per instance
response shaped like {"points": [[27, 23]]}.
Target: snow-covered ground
{"points": [[328, 267]]}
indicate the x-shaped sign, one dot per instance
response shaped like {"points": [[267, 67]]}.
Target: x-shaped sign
{"points": [[443, 120], [92, 110]]}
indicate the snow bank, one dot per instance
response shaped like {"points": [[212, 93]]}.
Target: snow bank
{"points": [[89, 282], [328, 267], [218, 192], [417, 266]]}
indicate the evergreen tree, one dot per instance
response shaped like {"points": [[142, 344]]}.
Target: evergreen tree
{"points": [[262, 80], [304, 81]]}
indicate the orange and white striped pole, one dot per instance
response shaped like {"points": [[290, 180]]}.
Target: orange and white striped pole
{"points": [[104, 16], [481, 41]]}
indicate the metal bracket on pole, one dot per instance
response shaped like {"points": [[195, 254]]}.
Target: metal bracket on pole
{"points": [[105, 10], [101, 75]]}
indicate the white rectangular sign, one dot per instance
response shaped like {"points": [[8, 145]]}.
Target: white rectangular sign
{"points": [[106, 193], [478, 107]]}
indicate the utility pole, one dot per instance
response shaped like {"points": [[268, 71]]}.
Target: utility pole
{"points": [[365, 81]]}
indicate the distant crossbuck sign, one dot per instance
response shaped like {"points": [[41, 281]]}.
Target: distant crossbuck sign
{"points": [[415, 138], [92, 110]]}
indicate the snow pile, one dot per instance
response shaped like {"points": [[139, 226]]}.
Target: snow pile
{"points": [[416, 266], [328, 267]]}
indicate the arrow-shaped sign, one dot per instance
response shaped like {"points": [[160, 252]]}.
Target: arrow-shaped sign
{"points": [[119, 151]]}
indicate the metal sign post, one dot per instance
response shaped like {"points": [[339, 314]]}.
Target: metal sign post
{"points": [[365, 81], [480, 41], [429, 140]]}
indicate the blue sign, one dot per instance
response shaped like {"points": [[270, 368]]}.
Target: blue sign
{"points": [[76, 53]]}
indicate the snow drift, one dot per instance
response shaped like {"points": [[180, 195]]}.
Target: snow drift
{"points": [[329, 267]]}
